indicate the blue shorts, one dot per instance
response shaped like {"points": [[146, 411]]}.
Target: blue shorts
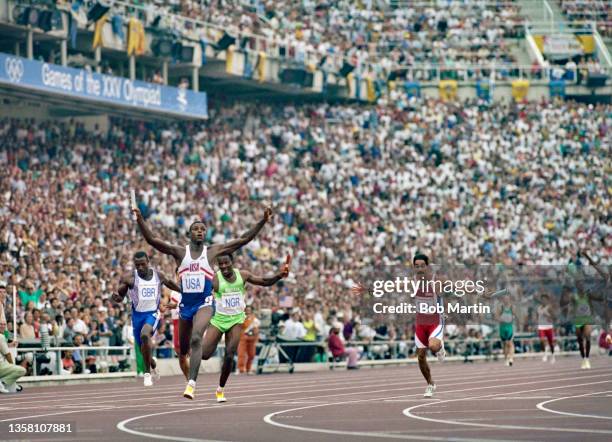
{"points": [[188, 310], [139, 319]]}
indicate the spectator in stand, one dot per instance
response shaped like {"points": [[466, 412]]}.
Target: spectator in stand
{"points": [[337, 349], [26, 330]]}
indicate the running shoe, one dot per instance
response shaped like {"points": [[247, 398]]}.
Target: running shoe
{"points": [[220, 395], [545, 357], [189, 392], [587, 364], [429, 391], [13, 388], [155, 371], [441, 354], [583, 364], [3, 389], [507, 363], [148, 382], [510, 362], [553, 359]]}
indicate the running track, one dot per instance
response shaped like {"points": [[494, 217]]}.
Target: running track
{"points": [[482, 401]]}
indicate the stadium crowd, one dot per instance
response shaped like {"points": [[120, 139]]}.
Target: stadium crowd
{"points": [[370, 36], [352, 186]]}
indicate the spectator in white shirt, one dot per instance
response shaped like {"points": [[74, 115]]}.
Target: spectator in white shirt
{"points": [[294, 329]]}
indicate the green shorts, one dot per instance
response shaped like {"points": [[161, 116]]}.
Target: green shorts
{"points": [[506, 331], [224, 322], [581, 321]]}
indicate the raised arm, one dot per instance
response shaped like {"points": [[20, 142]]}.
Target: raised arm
{"points": [[266, 281], [155, 242], [126, 282], [169, 282], [235, 244], [594, 264]]}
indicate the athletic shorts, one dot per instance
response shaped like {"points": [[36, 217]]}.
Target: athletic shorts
{"points": [[425, 331], [547, 334], [506, 331], [581, 321], [140, 319], [224, 322], [187, 311]]}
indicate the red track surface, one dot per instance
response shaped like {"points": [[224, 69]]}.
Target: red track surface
{"points": [[476, 401]]}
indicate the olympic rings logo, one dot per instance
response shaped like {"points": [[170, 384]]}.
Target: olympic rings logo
{"points": [[14, 69]]}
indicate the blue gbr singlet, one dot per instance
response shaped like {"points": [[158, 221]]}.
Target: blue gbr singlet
{"points": [[196, 278]]}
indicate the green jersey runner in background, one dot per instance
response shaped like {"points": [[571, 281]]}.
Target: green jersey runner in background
{"points": [[229, 290], [505, 316]]}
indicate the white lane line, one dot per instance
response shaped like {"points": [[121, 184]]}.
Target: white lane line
{"points": [[269, 418], [301, 378], [542, 407], [408, 412], [123, 424], [349, 383], [291, 392]]}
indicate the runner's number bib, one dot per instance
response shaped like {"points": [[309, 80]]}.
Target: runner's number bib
{"points": [[232, 303]]}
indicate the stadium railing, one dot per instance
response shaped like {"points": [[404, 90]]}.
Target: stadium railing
{"points": [[52, 356], [373, 352]]}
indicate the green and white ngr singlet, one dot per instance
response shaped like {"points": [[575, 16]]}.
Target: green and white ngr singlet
{"points": [[229, 303]]}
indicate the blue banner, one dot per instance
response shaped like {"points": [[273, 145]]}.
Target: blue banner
{"points": [[79, 83], [557, 88], [483, 89], [412, 88]]}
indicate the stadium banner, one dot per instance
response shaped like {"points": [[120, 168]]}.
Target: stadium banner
{"points": [[557, 88], [81, 84], [520, 88], [483, 89], [412, 88], [448, 89], [588, 43], [559, 46]]}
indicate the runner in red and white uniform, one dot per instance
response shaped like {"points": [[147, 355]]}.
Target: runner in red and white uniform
{"points": [[429, 327], [175, 301], [545, 327]]}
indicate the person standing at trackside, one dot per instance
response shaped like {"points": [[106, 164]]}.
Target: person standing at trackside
{"points": [[248, 341], [9, 372], [505, 316]]}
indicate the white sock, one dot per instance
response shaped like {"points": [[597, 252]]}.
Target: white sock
{"points": [[147, 374], [220, 389], [192, 382]]}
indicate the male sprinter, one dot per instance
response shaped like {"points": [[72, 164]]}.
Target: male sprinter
{"points": [[505, 316], [144, 287], [173, 305], [229, 289], [546, 330], [583, 320], [429, 327], [196, 275]]}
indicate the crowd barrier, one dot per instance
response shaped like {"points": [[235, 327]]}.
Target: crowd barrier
{"points": [[113, 362]]}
